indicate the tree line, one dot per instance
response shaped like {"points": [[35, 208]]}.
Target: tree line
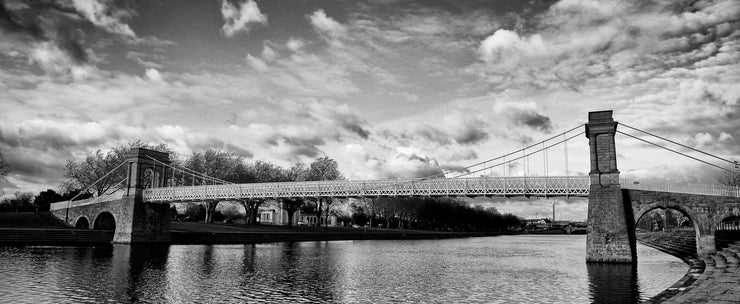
{"points": [[428, 213], [213, 163]]}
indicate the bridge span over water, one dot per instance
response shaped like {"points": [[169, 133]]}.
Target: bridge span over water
{"points": [[141, 211]]}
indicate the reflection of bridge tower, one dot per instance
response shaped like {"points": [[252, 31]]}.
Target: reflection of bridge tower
{"points": [[139, 222], [611, 235]]}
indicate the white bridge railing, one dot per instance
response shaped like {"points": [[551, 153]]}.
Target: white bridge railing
{"points": [[699, 189], [480, 186]]}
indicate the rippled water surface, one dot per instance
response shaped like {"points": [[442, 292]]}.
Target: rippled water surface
{"points": [[505, 269]]}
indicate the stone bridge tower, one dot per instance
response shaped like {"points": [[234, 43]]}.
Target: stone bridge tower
{"points": [[611, 233], [139, 222]]}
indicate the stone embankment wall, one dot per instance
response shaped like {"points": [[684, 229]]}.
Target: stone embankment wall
{"points": [[712, 278]]}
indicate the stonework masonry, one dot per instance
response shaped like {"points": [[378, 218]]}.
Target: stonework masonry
{"points": [[705, 211], [610, 236]]}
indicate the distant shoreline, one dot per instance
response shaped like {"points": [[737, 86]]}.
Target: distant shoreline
{"points": [[41, 230]]}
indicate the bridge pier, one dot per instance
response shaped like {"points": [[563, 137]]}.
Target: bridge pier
{"points": [[140, 222], [611, 235]]}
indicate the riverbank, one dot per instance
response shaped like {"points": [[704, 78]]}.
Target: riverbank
{"points": [[202, 233], [37, 229], [710, 279]]}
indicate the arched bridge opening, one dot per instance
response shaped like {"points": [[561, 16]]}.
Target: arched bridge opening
{"points": [[105, 221], [82, 223], [667, 229], [727, 231]]}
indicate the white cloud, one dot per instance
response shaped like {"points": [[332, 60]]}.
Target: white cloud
{"points": [[153, 75], [326, 25], [507, 46], [256, 63], [238, 17], [104, 16], [52, 60], [295, 44]]}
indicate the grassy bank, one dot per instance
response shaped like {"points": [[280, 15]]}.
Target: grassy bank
{"points": [[30, 229]]}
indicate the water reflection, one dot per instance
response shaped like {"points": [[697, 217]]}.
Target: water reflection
{"points": [[518, 269], [613, 283], [138, 272]]}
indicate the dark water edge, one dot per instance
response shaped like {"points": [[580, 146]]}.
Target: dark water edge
{"points": [[507, 269]]}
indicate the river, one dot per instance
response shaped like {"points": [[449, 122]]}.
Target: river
{"points": [[503, 269]]}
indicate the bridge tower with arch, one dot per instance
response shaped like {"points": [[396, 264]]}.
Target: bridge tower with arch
{"points": [[141, 222], [132, 218]]}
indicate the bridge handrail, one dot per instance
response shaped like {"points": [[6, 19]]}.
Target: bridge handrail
{"points": [[87, 201], [686, 188], [477, 186]]}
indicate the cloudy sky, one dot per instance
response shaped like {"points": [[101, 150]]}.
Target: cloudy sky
{"points": [[387, 88]]}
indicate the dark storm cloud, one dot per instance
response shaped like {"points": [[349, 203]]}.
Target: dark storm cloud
{"points": [[25, 162], [429, 134], [13, 23], [217, 144], [239, 151], [466, 135], [356, 127], [51, 141], [533, 120], [304, 146], [46, 21], [471, 136]]}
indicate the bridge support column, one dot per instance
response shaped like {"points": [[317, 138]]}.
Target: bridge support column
{"points": [[140, 222], [705, 245], [611, 236]]}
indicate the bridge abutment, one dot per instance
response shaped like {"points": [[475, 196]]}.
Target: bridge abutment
{"points": [[140, 222], [143, 222], [610, 237]]}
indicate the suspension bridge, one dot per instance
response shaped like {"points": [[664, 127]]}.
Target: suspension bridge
{"points": [[140, 209]]}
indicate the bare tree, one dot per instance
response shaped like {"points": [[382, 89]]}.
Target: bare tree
{"points": [[323, 169], [216, 164], [729, 178], [291, 205], [3, 166], [251, 207], [83, 174]]}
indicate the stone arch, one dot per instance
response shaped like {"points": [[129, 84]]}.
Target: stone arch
{"points": [[105, 221], [644, 209], [82, 223], [704, 239], [727, 218]]}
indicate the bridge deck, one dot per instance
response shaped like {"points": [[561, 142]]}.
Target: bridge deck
{"points": [[480, 186], [552, 186]]}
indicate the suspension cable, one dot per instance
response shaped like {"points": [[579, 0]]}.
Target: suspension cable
{"points": [[192, 172], [682, 145], [677, 152], [93, 184], [526, 155], [444, 173], [119, 189]]}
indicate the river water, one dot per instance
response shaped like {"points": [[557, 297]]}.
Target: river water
{"points": [[503, 269]]}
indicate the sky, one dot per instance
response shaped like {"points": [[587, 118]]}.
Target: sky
{"points": [[389, 89]]}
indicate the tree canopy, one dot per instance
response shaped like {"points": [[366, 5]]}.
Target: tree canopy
{"points": [[83, 174], [324, 168], [3, 166], [729, 178]]}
